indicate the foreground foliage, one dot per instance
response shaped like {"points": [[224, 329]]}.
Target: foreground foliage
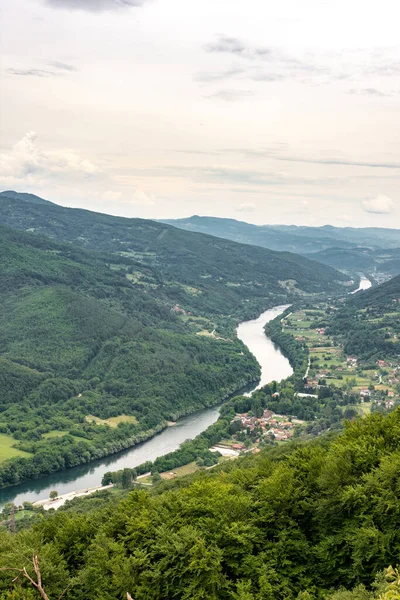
{"points": [[292, 522]]}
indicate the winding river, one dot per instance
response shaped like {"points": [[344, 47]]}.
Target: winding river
{"points": [[273, 366]]}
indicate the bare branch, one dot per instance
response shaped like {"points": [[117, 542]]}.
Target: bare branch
{"points": [[37, 584]]}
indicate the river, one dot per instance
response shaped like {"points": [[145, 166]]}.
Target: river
{"points": [[365, 284], [273, 366]]}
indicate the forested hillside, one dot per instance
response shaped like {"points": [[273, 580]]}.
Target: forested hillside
{"points": [[365, 260], [350, 249], [31, 198], [203, 271], [369, 323], [298, 521], [79, 342]]}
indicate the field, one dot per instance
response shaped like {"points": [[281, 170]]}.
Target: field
{"points": [[188, 469], [328, 361], [112, 421], [7, 450], [54, 434]]}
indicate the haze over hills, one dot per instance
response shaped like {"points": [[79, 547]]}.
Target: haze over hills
{"points": [[348, 248]]}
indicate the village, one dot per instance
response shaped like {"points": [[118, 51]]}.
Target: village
{"points": [[277, 427], [375, 385]]}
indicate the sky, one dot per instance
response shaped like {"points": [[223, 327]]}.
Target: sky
{"points": [[266, 112]]}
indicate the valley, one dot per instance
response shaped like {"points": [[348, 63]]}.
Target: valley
{"points": [[271, 363], [102, 347], [108, 353]]}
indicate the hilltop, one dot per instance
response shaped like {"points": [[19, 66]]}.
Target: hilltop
{"points": [[32, 198]]}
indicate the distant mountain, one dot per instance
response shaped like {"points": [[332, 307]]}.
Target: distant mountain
{"points": [[24, 197], [210, 274], [266, 236], [345, 248], [291, 238]]}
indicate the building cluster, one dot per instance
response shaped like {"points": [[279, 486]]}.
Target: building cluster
{"points": [[179, 309], [388, 403], [352, 362], [276, 426]]}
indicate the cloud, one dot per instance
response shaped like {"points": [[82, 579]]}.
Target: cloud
{"points": [[227, 175], [140, 197], [380, 205], [61, 66], [269, 64], [338, 161], [58, 69], [32, 72], [26, 163], [220, 75], [246, 207], [94, 5], [231, 45], [277, 153], [230, 95], [370, 92]]}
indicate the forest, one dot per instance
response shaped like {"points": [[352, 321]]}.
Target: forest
{"points": [[301, 521], [368, 325], [220, 274], [78, 339]]}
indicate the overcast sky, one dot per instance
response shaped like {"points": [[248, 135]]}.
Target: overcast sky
{"points": [[267, 112]]}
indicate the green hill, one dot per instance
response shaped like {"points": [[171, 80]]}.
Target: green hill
{"points": [[201, 271], [369, 323], [104, 323], [105, 334]]}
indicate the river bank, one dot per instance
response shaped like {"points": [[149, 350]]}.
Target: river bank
{"points": [[273, 366], [49, 503]]}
